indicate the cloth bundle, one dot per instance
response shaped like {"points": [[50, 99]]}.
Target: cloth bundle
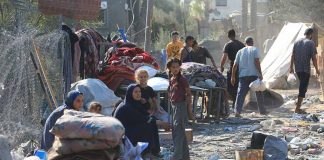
{"points": [[199, 73], [79, 132]]}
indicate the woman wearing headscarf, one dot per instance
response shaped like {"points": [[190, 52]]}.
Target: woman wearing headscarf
{"points": [[139, 125], [74, 100]]}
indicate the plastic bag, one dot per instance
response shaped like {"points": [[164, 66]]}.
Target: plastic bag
{"points": [[275, 148], [75, 124], [131, 152], [257, 85], [292, 80], [210, 83], [158, 83]]}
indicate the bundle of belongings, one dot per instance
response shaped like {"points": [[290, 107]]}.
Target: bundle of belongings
{"points": [[120, 65], [95, 90], [208, 77], [86, 136]]}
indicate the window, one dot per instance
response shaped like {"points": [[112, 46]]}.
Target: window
{"points": [[221, 3]]}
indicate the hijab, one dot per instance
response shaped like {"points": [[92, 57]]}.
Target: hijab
{"points": [[71, 96], [130, 101]]}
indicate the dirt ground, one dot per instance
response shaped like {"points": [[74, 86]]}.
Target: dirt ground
{"points": [[213, 141]]}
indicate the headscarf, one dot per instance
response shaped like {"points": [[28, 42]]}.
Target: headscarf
{"points": [[129, 100], [71, 96]]}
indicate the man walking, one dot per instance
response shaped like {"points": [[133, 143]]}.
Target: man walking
{"points": [[247, 62], [173, 48], [304, 50], [229, 52]]}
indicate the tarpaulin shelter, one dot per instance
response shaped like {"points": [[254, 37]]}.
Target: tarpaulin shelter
{"points": [[75, 9], [277, 61]]}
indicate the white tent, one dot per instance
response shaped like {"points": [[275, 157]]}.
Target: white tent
{"points": [[277, 61]]}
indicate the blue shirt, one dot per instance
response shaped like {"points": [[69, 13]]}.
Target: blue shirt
{"points": [[245, 59]]}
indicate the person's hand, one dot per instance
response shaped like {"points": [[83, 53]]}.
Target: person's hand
{"points": [[291, 70], [143, 100], [318, 72], [261, 77], [166, 126], [161, 111], [191, 116], [233, 80], [221, 69]]}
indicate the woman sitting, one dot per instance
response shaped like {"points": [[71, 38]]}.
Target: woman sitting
{"points": [[139, 126]]}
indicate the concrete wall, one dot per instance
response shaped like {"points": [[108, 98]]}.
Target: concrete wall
{"points": [[232, 5]]}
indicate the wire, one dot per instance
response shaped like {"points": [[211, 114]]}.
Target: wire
{"points": [[132, 18]]}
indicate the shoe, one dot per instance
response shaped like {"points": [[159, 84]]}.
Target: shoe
{"points": [[238, 115]]}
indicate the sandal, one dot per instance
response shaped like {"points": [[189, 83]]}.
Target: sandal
{"points": [[300, 111]]}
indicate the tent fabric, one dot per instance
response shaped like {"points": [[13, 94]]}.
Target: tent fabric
{"points": [[96, 90], [277, 61]]}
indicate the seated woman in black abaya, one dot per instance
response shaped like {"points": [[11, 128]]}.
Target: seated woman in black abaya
{"points": [[139, 125]]}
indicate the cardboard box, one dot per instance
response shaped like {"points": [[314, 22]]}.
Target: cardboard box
{"points": [[250, 154]]}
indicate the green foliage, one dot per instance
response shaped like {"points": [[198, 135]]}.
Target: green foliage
{"points": [[197, 9], [162, 40]]}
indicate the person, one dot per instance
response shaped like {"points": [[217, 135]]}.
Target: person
{"points": [[95, 107], [139, 126], [149, 99], [200, 54], [229, 52], [74, 100], [173, 48], [304, 50], [267, 44], [180, 97], [187, 50], [247, 62]]}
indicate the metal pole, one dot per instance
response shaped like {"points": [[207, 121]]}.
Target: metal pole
{"points": [[146, 25]]}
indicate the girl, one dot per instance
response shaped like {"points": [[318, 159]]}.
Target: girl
{"points": [[180, 96]]}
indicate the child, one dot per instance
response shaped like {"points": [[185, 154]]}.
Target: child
{"points": [[180, 96], [95, 107], [148, 95]]}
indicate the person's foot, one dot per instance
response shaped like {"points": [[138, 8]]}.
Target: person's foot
{"points": [[238, 115], [300, 111]]}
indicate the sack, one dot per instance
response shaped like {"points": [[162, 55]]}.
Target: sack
{"points": [[257, 85], [292, 80], [158, 83], [275, 148], [75, 124], [69, 146]]}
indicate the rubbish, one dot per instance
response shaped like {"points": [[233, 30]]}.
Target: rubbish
{"points": [[257, 85], [275, 148], [269, 124], [249, 154], [210, 83], [236, 139], [294, 151], [41, 154], [228, 129], [292, 80], [320, 130], [314, 151], [75, 124], [314, 127], [132, 152], [312, 117], [289, 129], [32, 158], [214, 157]]}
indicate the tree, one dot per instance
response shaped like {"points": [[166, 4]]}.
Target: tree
{"points": [[197, 11]]}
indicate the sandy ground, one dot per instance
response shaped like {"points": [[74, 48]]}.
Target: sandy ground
{"points": [[211, 141]]}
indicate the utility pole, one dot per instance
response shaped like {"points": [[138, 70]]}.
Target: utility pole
{"points": [[149, 14]]}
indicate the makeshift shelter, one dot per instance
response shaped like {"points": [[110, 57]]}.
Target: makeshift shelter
{"points": [[276, 63]]}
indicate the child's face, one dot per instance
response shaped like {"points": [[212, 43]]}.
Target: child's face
{"points": [[142, 78], [175, 68], [95, 109]]}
